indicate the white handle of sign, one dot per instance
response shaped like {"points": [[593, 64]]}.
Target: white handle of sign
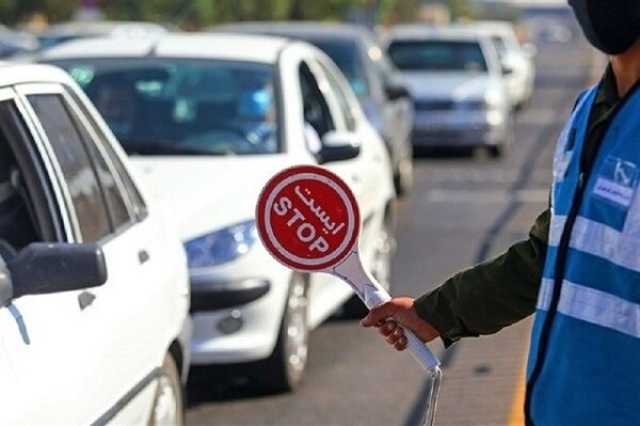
{"points": [[374, 295]]}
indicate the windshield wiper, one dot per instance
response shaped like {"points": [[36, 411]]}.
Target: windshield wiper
{"points": [[169, 148]]}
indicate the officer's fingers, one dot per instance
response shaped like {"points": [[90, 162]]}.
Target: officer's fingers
{"points": [[394, 337], [388, 328], [391, 339], [401, 344], [376, 315]]}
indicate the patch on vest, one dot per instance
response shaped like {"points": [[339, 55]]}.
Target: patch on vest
{"points": [[617, 181]]}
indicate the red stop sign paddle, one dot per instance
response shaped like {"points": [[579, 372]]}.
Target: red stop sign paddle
{"points": [[309, 221]]}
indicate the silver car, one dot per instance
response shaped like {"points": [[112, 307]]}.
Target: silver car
{"points": [[517, 60], [457, 82]]}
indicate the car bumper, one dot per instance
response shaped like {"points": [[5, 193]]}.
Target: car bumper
{"points": [[460, 129], [237, 316], [210, 294]]}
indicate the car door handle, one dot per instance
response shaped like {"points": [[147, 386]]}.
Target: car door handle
{"points": [[143, 256]]}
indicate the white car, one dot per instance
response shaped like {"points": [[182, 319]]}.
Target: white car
{"points": [[94, 293], [459, 91], [517, 60], [208, 119]]}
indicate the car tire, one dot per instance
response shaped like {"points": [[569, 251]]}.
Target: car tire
{"points": [[495, 151], [168, 403], [354, 308], [284, 369]]}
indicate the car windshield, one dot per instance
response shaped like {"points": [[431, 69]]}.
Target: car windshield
{"points": [[183, 107], [346, 55], [436, 55]]}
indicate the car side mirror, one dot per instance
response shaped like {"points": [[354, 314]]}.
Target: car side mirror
{"points": [[396, 91], [43, 268], [338, 146]]}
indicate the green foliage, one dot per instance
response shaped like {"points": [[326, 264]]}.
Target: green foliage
{"points": [[201, 13], [400, 10], [460, 9]]}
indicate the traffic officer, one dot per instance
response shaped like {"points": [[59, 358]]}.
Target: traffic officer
{"points": [[580, 268]]}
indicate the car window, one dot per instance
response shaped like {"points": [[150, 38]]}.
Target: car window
{"points": [[76, 165], [379, 65], [26, 215], [346, 54], [316, 109], [113, 195], [134, 196], [108, 181], [341, 96], [438, 55], [207, 108]]}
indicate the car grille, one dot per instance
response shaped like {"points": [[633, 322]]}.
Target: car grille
{"points": [[434, 105]]}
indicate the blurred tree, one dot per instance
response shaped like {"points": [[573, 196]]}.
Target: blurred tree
{"points": [[401, 10], [14, 11], [201, 13], [460, 9]]}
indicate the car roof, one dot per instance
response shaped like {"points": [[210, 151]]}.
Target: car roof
{"points": [[12, 73], [430, 32], [325, 30], [193, 45], [100, 27], [489, 27]]}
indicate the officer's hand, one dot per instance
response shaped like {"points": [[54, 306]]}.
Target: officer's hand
{"points": [[399, 311]]}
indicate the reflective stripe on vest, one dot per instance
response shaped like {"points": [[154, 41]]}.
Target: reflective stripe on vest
{"points": [[593, 306]]}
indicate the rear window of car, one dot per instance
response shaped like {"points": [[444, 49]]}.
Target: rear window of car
{"points": [[437, 55]]}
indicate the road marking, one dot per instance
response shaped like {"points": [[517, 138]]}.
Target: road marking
{"points": [[516, 414], [487, 196], [538, 116]]}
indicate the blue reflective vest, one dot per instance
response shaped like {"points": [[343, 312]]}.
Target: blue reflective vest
{"points": [[584, 362]]}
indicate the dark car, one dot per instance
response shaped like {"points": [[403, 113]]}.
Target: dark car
{"points": [[364, 63]]}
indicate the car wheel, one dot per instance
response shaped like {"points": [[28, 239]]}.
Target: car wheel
{"points": [[284, 369], [354, 308], [495, 151], [168, 404]]}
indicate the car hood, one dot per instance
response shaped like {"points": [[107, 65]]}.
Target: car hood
{"points": [[438, 85], [200, 195]]}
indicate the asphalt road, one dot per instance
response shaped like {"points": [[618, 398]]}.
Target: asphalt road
{"points": [[463, 209]]}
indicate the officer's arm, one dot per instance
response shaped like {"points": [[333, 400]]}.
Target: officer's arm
{"points": [[490, 296]]}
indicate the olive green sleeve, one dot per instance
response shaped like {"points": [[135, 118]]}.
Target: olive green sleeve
{"points": [[492, 295]]}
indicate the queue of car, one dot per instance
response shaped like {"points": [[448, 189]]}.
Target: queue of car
{"points": [[140, 167], [207, 119]]}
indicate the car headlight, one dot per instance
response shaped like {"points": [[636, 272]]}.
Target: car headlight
{"points": [[221, 246]]}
